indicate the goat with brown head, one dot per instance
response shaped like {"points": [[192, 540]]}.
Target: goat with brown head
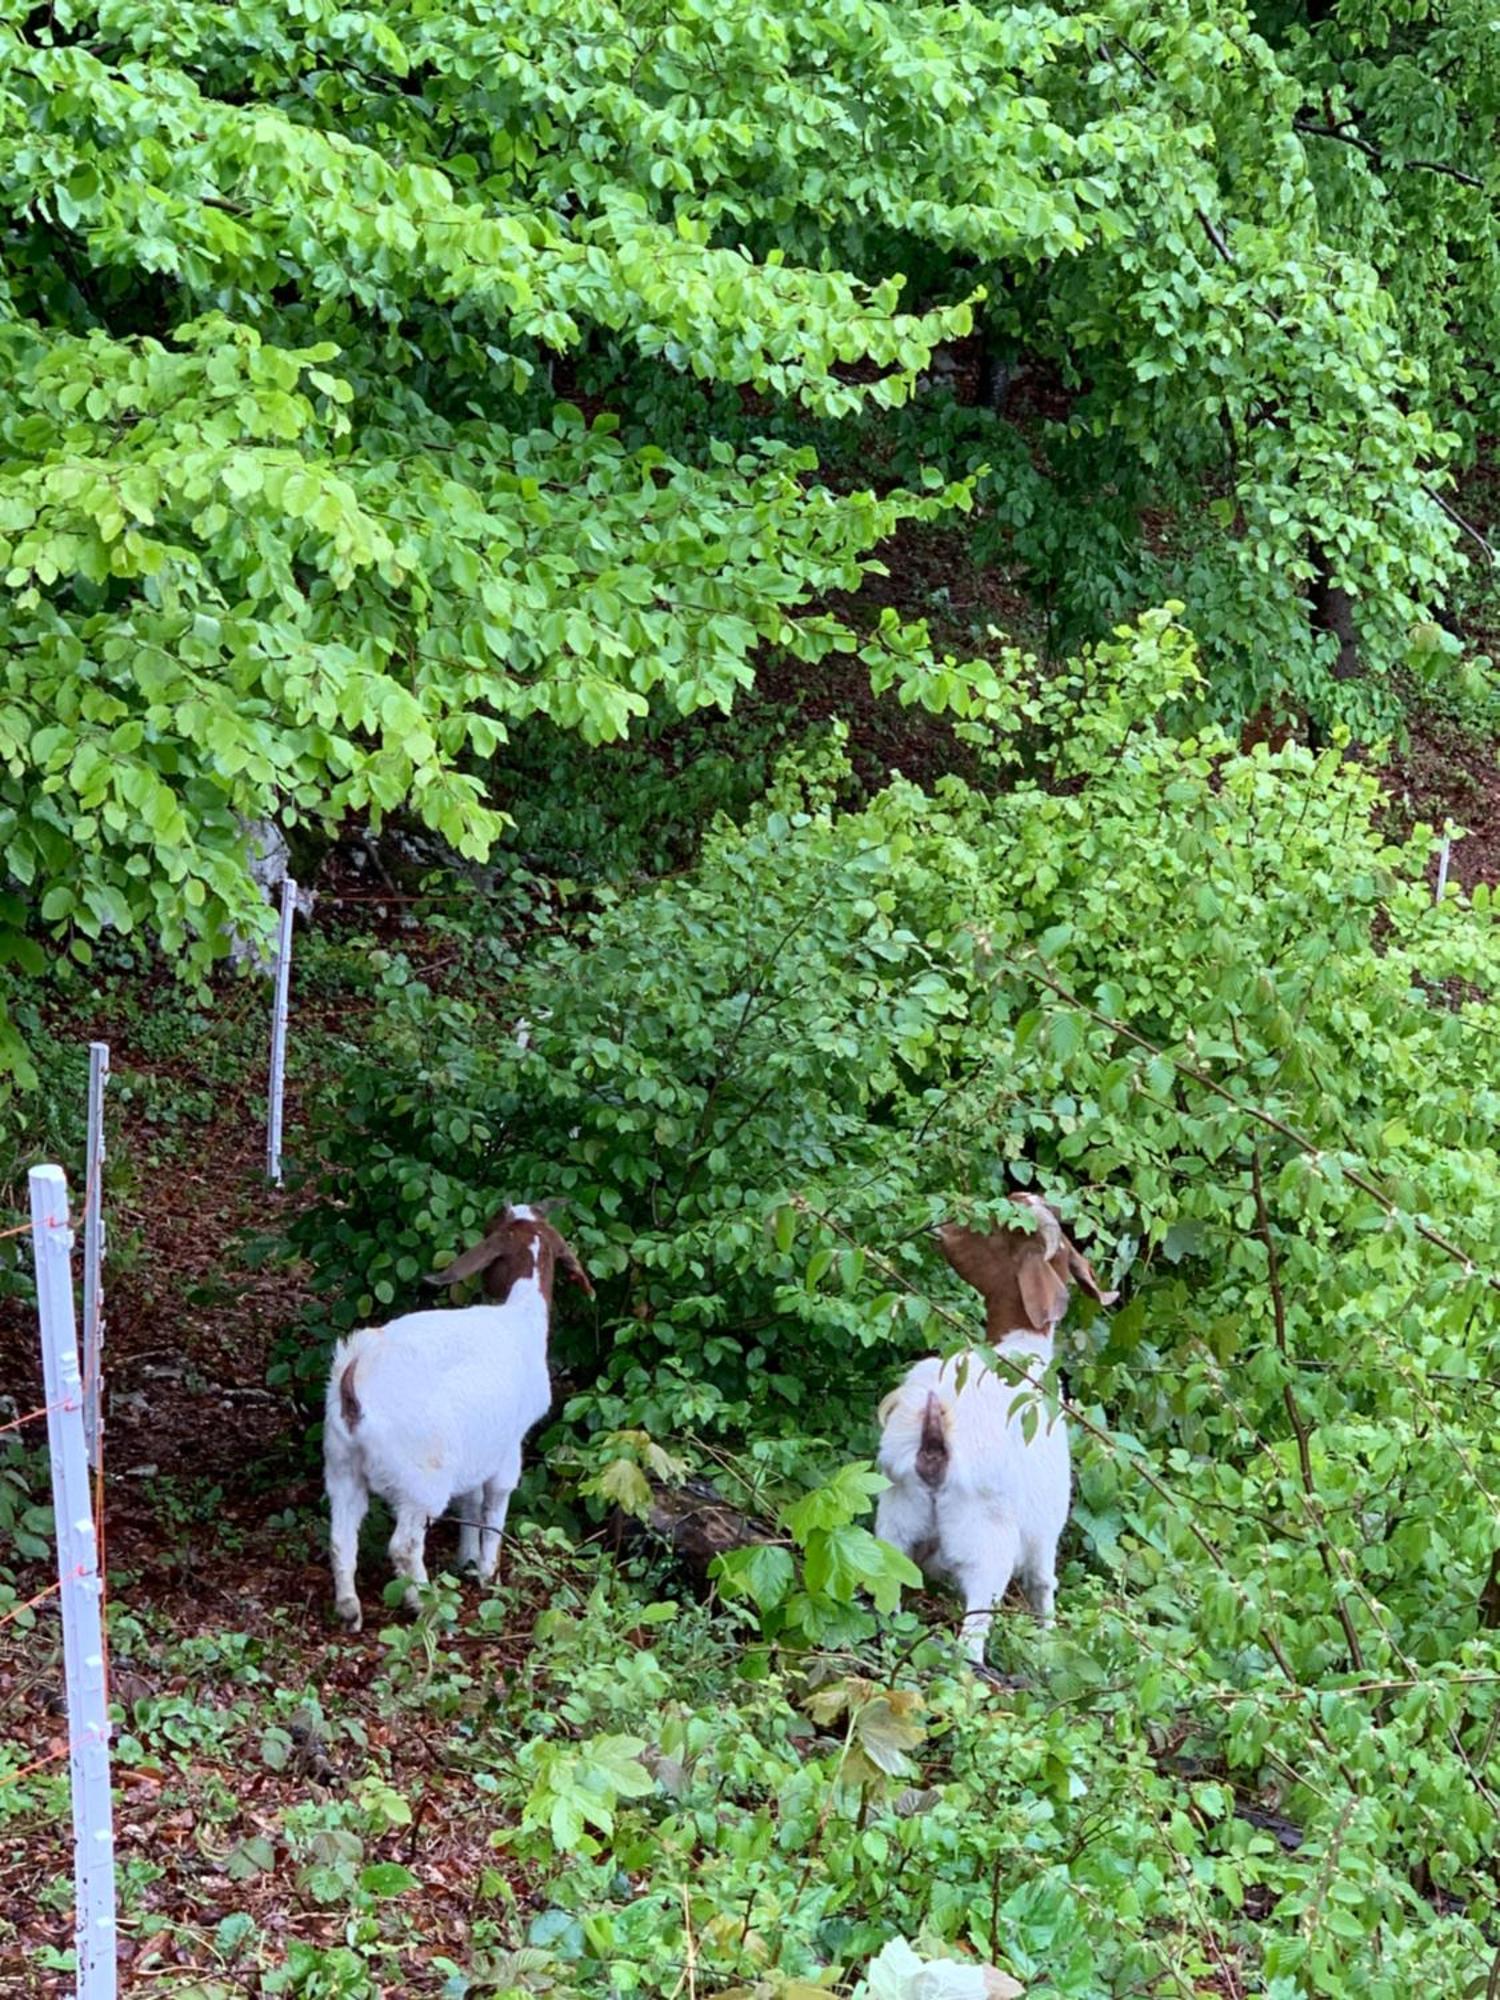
{"points": [[433, 1408], [1025, 1276], [978, 1464]]}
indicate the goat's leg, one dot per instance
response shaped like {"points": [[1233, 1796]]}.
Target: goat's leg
{"points": [[407, 1545], [470, 1506], [1039, 1579], [496, 1506], [348, 1502], [981, 1553], [497, 1492]]}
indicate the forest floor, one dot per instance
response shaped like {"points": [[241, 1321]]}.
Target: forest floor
{"points": [[213, 1497], [212, 1503]]}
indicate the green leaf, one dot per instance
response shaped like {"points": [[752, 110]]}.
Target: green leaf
{"points": [[763, 1573], [386, 1879], [623, 1482]]}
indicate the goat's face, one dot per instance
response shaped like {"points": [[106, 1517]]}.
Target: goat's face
{"points": [[1024, 1276], [519, 1243]]}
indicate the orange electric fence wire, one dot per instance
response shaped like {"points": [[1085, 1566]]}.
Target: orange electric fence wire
{"points": [[19, 1610], [53, 1756], [43, 1410]]}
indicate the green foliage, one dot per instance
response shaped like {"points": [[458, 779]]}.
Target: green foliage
{"points": [[293, 559], [579, 1786], [1202, 985], [1400, 113], [296, 517], [348, 634], [390, 394], [842, 1563], [25, 1511]]}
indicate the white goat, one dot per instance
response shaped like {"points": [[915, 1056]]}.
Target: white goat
{"points": [[433, 1408], [972, 1497]]}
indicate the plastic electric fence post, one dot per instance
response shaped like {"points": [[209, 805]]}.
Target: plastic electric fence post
{"points": [[81, 1590], [283, 977], [93, 1253]]}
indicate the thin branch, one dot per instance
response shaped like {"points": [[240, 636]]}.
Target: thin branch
{"points": [[1211, 229], [1299, 1424], [1458, 520], [1215, 236], [1346, 135]]}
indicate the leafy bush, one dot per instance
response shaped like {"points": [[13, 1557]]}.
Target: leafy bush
{"points": [[757, 1082], [1197, 997]]}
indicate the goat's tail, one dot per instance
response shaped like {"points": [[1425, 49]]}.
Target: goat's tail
{"points": [[932, 1446], [344, 1409], [916, 1429]]}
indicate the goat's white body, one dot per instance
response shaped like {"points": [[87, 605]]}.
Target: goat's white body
{"points": [[445, 1400], [1002, 1502]]}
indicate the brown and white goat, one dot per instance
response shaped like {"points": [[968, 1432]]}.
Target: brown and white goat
{"points": [[434, 1406], [973, 1497]]}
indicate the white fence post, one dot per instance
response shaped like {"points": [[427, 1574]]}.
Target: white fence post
{"points": [[283, 975], [1442, 880], [81, 1590], [93, 1253]]}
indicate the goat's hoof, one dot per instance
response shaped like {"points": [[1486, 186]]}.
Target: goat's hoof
{"points": [[349, 1614]]}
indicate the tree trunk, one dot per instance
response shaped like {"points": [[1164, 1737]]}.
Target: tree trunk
{"points": [[695, 1522], [1333, 611]]}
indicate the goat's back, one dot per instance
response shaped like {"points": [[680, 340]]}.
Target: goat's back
{"points": [[960, 1427], [435, 1402]]}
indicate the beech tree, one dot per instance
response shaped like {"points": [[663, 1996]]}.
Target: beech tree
{"points": [[296, 517]]}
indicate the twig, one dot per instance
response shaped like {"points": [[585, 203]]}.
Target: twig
{"points": [[1459, 521], [1215, 235], [1348, 136], [1294, 1409]]}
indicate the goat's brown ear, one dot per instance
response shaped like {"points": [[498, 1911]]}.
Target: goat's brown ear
{"points": [[1043, 1293], [1083, 1271], [571, 1268], [469, 1263]]}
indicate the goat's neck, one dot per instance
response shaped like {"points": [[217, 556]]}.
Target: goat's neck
{"points": [[529, 1302], [1023, 1344]]}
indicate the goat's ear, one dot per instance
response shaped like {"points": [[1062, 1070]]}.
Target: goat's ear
{"points": [[1043, 1293], [468, 1263], [571, 1268], [553, 1205], [1083, 1271]]}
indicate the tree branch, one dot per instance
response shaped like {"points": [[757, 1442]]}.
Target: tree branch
{"points": [[1300, 1428], [1459, 521], [1347, 136]]}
